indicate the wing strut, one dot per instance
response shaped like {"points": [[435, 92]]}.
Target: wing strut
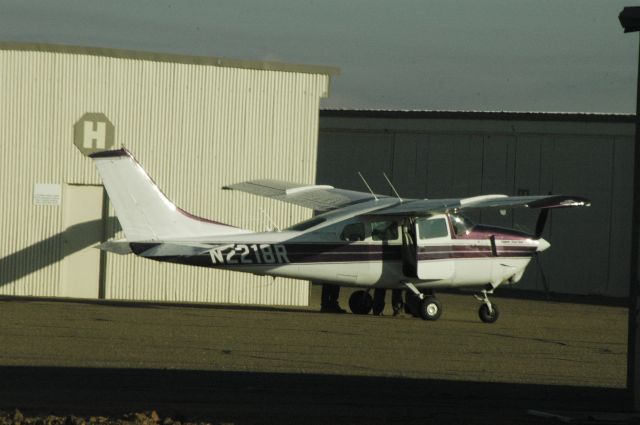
{"points": [[367, 184], [392, 187]]}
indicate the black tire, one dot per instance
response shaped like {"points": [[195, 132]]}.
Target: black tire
{"points": [[360, 302], [486, 316], [430, 308]]}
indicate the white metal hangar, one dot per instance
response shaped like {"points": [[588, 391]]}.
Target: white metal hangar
{"points": [[442, 154], [194, 123]]}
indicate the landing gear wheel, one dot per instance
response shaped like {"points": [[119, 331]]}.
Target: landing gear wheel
{"points": [[430, 308], [360, 302], [487, 316]]}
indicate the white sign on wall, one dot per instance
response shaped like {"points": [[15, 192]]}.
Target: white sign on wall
{"points": [[47, 194]]}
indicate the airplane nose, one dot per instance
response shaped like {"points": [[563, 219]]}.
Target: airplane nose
{"points": [[542, 245]]}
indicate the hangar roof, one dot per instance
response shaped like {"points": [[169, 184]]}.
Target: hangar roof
{"points": [[478, 115], [169, 57]]}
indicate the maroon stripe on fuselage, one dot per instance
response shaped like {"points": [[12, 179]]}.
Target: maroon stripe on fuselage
{"points": [[439, 252], [198, 218], [327, 253], [342, 253]]}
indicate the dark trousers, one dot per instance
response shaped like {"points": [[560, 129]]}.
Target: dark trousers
{"points": [[396, 300], [330, 294], [379, 297]]}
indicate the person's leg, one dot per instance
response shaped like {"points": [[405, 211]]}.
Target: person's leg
{"points": [[396, 301], [378, 301], [329, 299]]}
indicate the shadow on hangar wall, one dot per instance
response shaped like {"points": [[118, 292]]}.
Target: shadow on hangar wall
{"points": [[434, 154]]}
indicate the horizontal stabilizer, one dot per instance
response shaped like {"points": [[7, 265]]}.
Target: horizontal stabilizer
{"points": [[117, 247], [170, 249], [156, 249]]}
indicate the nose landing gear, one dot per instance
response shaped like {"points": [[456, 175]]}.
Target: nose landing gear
{"points": [[488, 311]]}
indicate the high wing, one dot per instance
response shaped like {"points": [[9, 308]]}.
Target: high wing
{"points": [[318, 197], [326, 198], [430, 206]]}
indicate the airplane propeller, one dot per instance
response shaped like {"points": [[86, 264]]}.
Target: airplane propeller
{"points": [[540, 223], [545, 284]]}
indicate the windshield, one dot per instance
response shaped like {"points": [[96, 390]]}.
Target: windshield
{"points": [[461, 225], [307, 224]]}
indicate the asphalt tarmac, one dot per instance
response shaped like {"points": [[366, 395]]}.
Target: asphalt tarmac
{"points": [[231, 364]]}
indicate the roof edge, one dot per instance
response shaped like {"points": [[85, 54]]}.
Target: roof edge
{"points": [[169, 57], [479, 115]]}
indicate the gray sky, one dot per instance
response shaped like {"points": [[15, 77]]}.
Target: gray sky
{"points": [[511, 55]]}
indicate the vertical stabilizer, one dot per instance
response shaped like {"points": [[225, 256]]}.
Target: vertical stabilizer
{"points": [[144, 212]]}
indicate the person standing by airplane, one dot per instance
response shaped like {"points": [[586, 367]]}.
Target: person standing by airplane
{"points": [[329, 299], [379, 295], [397, 302], [379, 301]]}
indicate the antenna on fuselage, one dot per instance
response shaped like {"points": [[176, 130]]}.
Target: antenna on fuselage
{"points": [[367, 184], [391, 184], [273, 223]]}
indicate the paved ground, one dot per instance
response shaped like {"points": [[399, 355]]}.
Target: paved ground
{"points": [[262, 365]]}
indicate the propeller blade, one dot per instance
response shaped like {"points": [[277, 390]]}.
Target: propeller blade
{"points": [[542, 221], [543, 276]]}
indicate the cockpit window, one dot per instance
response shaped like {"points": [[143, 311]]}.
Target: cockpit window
{"points": [[461, 224]]}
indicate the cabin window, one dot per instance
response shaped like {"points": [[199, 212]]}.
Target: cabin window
{"points": [[384, 230], [353, 232], [434, 228]]}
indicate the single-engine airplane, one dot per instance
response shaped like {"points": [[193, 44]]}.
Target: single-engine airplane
{"points": [[358, 239]]}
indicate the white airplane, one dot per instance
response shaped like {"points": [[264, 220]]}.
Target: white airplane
{"points": [[358, 239]]}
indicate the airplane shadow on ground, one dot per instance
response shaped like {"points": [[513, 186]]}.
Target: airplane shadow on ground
{"points": [[248, 398]]}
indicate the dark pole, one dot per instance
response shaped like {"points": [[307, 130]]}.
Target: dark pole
{"points": [[630, 20], [633, 377]]}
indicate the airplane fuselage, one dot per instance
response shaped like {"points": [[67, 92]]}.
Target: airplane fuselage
{"points": [[452, 258]]}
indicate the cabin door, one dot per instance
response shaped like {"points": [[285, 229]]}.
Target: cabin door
{"points": [[434, 252]]}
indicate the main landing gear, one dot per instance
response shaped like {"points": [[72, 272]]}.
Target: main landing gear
{"points": [[360, 302], [488, 311], [426, 306]]}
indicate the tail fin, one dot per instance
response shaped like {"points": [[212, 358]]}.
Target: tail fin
{"points": [[144, 212]]}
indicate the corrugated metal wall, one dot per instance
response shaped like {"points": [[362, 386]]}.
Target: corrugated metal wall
{"points": [[429, 156], [193, 127]]}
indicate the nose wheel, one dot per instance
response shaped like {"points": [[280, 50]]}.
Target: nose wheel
{"points": [[488, 311]]}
